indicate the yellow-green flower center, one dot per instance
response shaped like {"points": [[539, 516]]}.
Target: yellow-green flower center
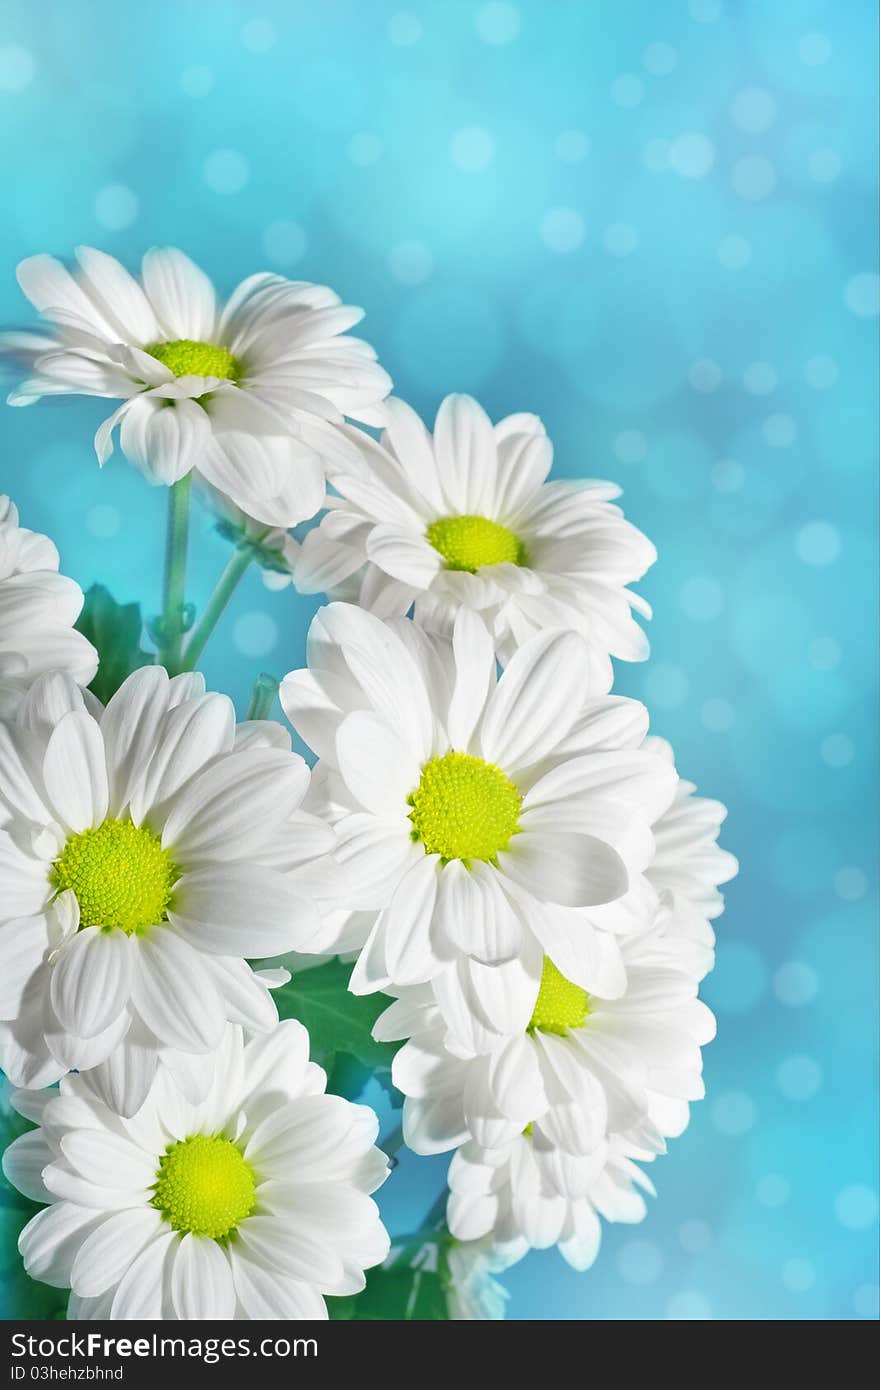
{"points": [[560, 1005], [464, 808], [204, 1185], [121, 875], [467, 542], [186, 357]]}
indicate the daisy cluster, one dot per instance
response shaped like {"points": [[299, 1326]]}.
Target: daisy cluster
{"points": [[492, 837]]}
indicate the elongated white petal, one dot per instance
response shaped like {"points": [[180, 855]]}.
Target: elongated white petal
{"points": [[378, 767], [75, 772], [92, 980], [141, 1293], [201, 1280], [565, 867], [242, 910], [106, 1253], [174, 995], [535, 701]]}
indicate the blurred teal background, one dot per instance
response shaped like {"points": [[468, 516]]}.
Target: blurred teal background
{"points": [[655, 225]]}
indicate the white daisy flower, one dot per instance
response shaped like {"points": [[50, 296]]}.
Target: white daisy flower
{"points": [[251, 395], [476, 817], [466, 517], [250, 1205], [144, 849], [510, 1194], [38, 608], [689, 866], [581, 1068]]}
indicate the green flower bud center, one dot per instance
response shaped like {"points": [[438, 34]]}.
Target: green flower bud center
{"points": [[186, 357], [560, 1005], [121, 875], [204, 1186], [464, 808], [468, 542]]}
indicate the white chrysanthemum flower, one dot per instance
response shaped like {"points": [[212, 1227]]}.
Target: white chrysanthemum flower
{"points": [[252, 395], [251, 1205], [38, 608], [144, 849], [689, 866], [582, 1067], [476, 817], [511, 1194], [466, 518]]}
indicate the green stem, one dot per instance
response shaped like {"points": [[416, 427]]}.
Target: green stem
{"points": [[175, 574], [262, 697], [226, 585]]}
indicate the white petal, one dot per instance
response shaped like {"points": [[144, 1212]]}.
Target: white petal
{"points": [[373, 855], [49, 285], [474, 677], [473, 913], [406, 923], [384, 668], [266, 1296], [123, 1080], [194, 732], [107, 1159], [564, 867], [75, 772], [465, 449], [23, 1164], [141, 1291], [201, 1280], [118, 295], [246, 1000], [129, 726], [181, 294], [107, 1251], [378, 767], [406, 557], [165, 441], [24, 944], [535, 702], [290, 1251], [174, 996], [92, 980], [277, 1059], [228, 809], [51, 1239], [17, 788], [242, 910]]}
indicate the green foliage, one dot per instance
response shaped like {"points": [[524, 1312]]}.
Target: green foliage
{"points": [[340, 1026], [115, 630], [403, 1293]]}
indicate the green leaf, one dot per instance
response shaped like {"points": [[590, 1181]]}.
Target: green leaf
{"points": [[115, 630], [400, 1294], [340, 1025]]}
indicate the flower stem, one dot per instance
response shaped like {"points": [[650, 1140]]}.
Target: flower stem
{"points": [[226, 585], [262, 697], [169, 653]]}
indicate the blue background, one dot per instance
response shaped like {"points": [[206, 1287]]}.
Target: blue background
{"points": [[654, 225]]}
